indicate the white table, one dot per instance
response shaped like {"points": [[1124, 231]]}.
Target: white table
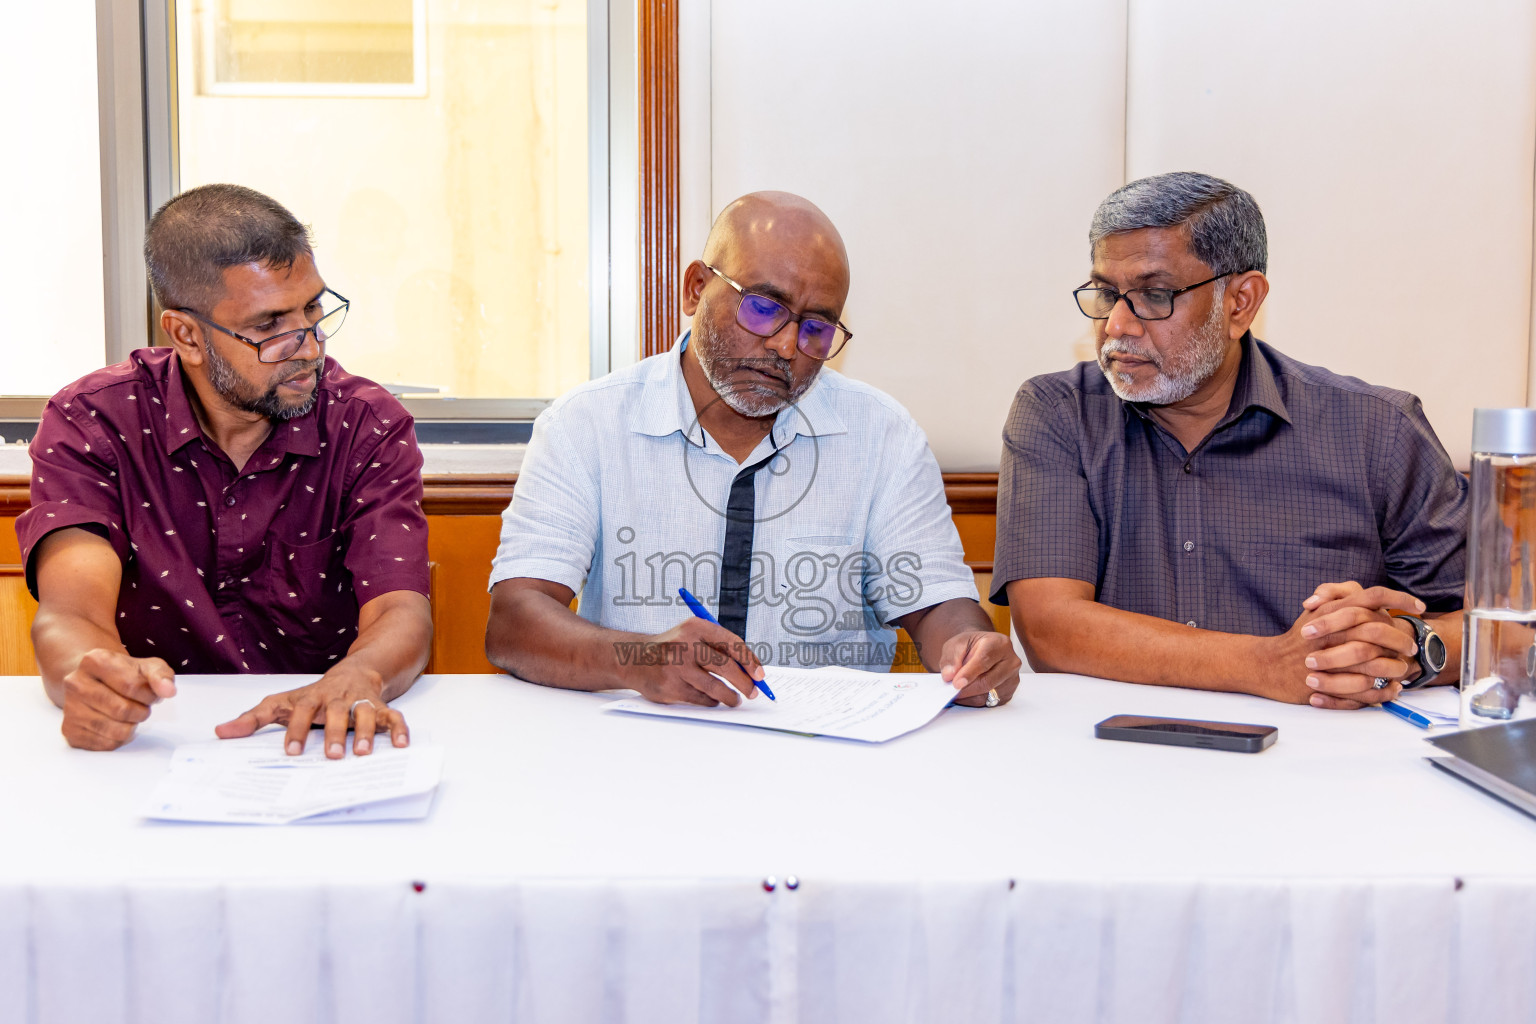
{"points": [[577, 866]]}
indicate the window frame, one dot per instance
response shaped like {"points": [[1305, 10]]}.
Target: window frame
{"points": [[137, 105], [416, 87]]}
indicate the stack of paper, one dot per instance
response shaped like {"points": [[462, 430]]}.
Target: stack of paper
{"points": [[1440, 704], [252, 781], [846, 703]]}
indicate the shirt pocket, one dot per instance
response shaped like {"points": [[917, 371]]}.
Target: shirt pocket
{"points": [[822, 580], [1313, 563], [310, 596], [1281, 575]]}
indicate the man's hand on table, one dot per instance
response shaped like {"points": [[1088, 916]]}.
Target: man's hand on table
{"points": [[1343, 641], [978, 661], [108, 694], [329, 702], [688, 658]]}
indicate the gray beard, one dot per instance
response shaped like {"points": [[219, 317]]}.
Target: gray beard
{"points": [[749, 398], [1178, 376], [238, 392]]}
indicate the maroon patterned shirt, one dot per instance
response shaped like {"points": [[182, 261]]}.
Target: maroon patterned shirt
{"points": [[257, 571]]}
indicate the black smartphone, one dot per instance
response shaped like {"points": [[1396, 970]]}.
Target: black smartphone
{"points": [[1185, 732]]}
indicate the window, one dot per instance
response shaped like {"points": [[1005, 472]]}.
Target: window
{"points": [[465, 166], [456, 218], [312, 47], [54, 204]]}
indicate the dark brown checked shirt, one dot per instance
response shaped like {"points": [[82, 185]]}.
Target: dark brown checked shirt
{"points": [[257, 571], [1310, 477]]}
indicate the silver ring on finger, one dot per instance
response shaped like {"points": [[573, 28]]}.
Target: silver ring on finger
{"points": [[352, 711], [1380, 683], [992, 699]]}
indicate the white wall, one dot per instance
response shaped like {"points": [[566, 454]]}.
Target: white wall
{"points": [[963, 149], [1392, 156], [959, 154], [50, 262]]}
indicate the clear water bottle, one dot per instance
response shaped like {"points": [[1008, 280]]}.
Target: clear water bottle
{"points": [[1498, 658]]}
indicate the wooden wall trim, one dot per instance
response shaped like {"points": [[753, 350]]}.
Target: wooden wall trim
{"points": [[659, 272], [14, 496], [465, 495], [971, 493], [480, 495], [475, 494]]}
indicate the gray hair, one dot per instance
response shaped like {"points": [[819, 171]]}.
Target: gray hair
{"points": [[196, 235], [1226, 228]]}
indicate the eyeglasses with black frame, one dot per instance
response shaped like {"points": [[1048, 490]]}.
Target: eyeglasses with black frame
{"points": [[765, 317], [1097, 302], [332, 309]]}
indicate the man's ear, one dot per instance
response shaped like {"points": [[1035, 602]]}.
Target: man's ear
{"points": [[1245, 294], [694, 279], [186, 335]]}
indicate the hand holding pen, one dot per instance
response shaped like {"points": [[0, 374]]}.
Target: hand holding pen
{"points": [[697, 662], [698, 609]]}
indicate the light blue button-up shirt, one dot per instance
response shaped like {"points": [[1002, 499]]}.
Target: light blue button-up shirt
{"points": [[622, 497]]}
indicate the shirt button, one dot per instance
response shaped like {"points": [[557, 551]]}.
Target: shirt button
{"points": [[1189, 545], [1187, 469], [230, 501], [1191, 624]]}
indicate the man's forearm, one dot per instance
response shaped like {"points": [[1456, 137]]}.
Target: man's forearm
{"points": [[1088, 638], [931, 627], [395, 644], [538, 639], [60, 640]]}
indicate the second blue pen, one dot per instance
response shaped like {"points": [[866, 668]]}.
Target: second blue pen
{"points": [[1406, 714]]}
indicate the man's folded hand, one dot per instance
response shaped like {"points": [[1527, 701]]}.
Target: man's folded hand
{"points": [[1345, 640]]}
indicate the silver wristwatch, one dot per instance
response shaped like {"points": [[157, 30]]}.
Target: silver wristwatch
{"points": [[1431, 652]]}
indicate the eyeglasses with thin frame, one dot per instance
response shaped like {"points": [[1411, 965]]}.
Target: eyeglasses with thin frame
{"points": [[1097, 302], [282, 346], [765, 317]]}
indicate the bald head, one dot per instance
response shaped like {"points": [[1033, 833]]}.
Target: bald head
{"points": [[780, 254], [778, 224]]}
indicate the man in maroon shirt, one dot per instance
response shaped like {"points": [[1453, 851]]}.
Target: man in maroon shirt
{"points": [[236, 502]]}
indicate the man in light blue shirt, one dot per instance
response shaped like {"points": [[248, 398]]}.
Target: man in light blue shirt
{"points": [[805, 509]]}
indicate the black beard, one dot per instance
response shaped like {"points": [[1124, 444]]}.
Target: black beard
{"points": [[238, 392]]}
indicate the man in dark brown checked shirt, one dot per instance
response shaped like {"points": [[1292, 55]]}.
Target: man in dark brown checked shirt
{"points": [[1198, 509], [233, 502]]}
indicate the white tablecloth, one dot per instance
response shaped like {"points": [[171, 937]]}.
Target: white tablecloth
{"points": [[994, 866]]}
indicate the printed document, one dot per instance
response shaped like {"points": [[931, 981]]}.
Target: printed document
{"points": [[252, 781], [846, 703]]}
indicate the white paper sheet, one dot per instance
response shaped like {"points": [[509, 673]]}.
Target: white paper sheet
{"points": [[403, 808], [1440, 704], [252, 781], [846, 703]]}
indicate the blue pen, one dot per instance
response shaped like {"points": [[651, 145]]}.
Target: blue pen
{"points": [[1406, 714], [703, 613]]}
